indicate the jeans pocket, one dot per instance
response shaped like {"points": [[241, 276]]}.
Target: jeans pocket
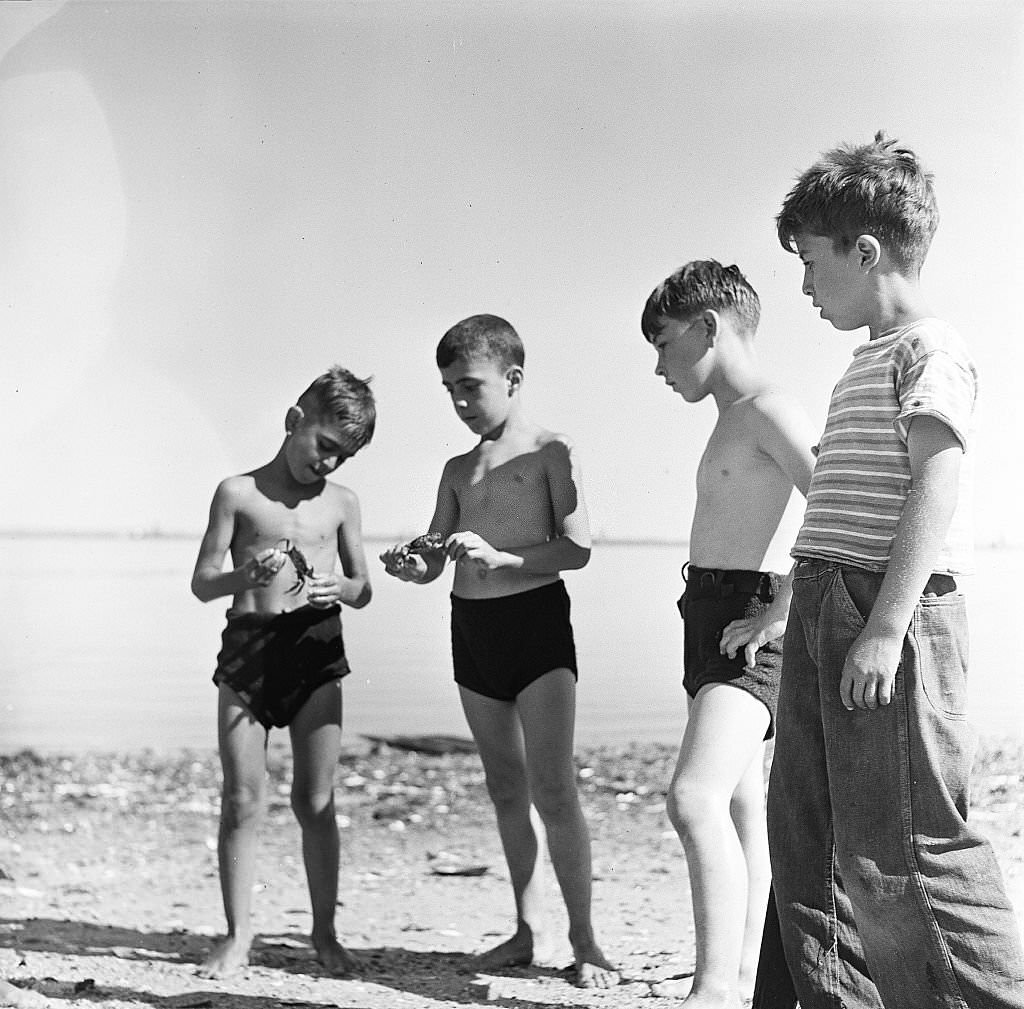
{"points": [[856, 592], [939, 633]]}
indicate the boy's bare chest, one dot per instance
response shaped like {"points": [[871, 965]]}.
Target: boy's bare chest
{"points": [[308, 522], [503, 487], [731, 459]]}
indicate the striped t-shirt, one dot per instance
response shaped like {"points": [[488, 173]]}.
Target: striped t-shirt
{"points": [[862, 475]]}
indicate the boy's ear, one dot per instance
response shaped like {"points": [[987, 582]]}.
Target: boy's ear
{"points": [[712, 324], [514, 378], [293, 418], [869, 252]]}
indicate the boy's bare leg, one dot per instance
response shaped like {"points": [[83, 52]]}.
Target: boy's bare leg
{"points": [[242, 742], [547, 710], [723, 738], [748, 816], [316, 747], [498, 734]]}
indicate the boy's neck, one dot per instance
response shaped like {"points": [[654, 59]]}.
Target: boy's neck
{"points": [[278, 472], [899, 301], [739, 377], [514, 421]]}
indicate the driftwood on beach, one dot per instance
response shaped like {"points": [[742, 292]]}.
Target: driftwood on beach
{"points": [[437, 744]]}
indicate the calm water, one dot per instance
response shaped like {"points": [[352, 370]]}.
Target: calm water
{"points": [[104, 647]]}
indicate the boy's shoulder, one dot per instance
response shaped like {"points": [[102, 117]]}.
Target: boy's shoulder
{"points": [[769, 405], [921, 339], [237, 486], [244, 488], [533, 440], [340, 495], [920, 336]]}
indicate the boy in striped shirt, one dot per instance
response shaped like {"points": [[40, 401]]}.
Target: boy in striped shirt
{"points": [[886, 896]]}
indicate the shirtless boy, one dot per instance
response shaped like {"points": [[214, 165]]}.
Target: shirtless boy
{"points": [[702, 321], [282, 655], [510, 515]]}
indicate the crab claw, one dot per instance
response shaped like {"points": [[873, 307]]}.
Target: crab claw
{"points": [[271, 559]]}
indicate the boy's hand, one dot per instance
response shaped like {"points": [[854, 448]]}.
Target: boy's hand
{"points": [[471, 547], [750, 634], [870, 671], [323, 590], [261, 569], [403, 565]]}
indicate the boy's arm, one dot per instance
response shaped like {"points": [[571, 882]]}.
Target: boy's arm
{"points": [[785, 434], [209, 579], [568, 549], [353, 587], [751, 633], [425, 567], [870, 667]]}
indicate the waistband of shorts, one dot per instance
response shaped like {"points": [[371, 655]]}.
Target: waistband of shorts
{"points": [[557, 587], [304, 614], [719, 583]]}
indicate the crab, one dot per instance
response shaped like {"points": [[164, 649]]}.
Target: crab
{"points": [[303, 569], [423, 544]]}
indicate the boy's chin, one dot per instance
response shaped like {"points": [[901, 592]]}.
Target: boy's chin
{"points": [[844, 326], [483, 428], [307, 477]]}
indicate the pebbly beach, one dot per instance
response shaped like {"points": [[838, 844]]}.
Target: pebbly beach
{"points": [[108, 878]]}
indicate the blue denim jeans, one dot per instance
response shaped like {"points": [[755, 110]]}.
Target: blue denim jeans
{"points": [[886, 896]]}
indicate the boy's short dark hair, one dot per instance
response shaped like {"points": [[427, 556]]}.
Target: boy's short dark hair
{"points": [[339, 396], [487, 337], [699, 285], [877, 189]]}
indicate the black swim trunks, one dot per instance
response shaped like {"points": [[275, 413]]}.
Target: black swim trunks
{"points": [[713, 599], [274, 661], [501, 645]]}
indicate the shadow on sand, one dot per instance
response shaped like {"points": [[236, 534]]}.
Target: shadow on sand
{"points": [[429, 974]]}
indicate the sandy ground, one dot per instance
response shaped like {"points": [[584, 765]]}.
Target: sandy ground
{"points": [[109, 892]]}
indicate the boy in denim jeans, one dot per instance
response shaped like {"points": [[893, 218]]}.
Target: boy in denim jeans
{"points": [[886, 896]]}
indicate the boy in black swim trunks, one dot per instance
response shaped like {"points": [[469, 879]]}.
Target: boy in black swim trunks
{"points": [[510, 514], [701, 321], [296, 549]]}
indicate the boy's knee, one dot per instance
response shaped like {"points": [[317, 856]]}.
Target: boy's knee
{"points": [[241, 804], [747, 805], [311, 805], [688, 804], [507, 790], [555, 799]]}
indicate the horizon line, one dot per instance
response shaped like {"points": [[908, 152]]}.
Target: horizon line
{"points": [[182, 534], [157, 533]]}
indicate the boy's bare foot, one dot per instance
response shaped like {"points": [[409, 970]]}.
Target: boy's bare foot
{"points": [[524, 948], [226, 957], [682, 988], [593, 969], [333, 957], [673, 987]]}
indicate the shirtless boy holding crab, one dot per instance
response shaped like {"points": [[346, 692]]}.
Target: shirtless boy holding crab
{"points": [[510, 514], [282, 658]]}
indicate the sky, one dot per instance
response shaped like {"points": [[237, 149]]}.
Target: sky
{"points": [[204, 205]]}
